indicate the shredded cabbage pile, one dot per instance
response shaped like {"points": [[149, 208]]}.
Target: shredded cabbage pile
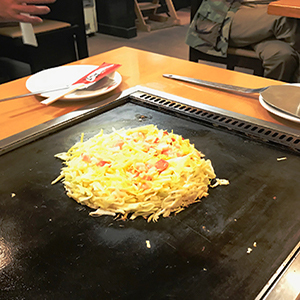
{"points": [[142, 171]]}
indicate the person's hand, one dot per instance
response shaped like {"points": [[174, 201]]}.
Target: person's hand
{"points": [[23, 10]]}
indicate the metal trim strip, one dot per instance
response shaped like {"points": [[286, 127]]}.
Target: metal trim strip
{"points": [[265, 292], [135, 94]]}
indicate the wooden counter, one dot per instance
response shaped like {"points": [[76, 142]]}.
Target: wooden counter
{"points": [[286, 8], [139, 68]]}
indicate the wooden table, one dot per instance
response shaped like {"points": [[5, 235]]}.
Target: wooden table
{"points": [[139, 68], [287, 8]]}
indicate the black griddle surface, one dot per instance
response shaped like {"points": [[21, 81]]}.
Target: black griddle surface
{"points": [[50, 248]]}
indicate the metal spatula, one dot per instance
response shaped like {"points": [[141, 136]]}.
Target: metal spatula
{"points": [[282, 97]]}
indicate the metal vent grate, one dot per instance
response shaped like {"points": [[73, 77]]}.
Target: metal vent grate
{"points": [[217, 119]]}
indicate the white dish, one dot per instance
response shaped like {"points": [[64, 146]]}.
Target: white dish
{"points": [[277, 112], [66, 75]]}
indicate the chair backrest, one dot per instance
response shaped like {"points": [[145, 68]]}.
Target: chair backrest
{"points": [[71, 11], [194, 7]]}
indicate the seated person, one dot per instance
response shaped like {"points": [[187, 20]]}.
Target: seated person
{"points": [[246, 23], [23, 10], [19, 11]]}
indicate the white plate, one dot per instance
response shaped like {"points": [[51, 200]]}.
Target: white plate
{"points": [[66, 75], [277, 112]]}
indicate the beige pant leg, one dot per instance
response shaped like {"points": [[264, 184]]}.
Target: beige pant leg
{"points": [[251, 25], [280, 61], [272, 37]]}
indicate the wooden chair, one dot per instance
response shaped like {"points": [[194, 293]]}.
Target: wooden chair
{"points": [[151, 9], [236, 57], [61, 38]]}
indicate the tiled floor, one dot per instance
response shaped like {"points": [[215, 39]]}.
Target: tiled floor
{"points": [[168, 41]]}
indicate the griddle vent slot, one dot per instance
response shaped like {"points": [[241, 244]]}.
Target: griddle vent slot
{"points": [[251, 130]]}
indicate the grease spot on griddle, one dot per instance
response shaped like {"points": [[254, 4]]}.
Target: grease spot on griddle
{"points": [[142, 118]]}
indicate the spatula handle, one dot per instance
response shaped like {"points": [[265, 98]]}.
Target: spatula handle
{"points": [[216, 85], [62, 94]]}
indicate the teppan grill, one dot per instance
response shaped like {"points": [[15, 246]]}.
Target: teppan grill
{"points": [[238, 243]]}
